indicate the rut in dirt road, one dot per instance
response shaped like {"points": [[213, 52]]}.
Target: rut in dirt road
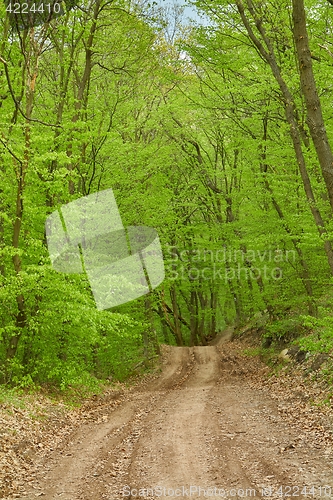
{"points": [[198, 430]]}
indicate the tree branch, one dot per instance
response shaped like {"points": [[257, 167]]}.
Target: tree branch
{"points": [[16, 102]]}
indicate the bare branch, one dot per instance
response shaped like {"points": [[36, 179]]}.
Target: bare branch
{"points": [[16, 102], [11, 152], [326, 48]]}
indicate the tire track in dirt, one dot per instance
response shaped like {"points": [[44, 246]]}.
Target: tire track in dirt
{"points": [[199, 424], [77, 471], [172, 441]]}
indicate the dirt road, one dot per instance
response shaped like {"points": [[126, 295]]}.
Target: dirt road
{"points": [[197, 430]]}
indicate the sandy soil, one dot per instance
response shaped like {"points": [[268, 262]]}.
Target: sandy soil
{"points": [[199, 429]]}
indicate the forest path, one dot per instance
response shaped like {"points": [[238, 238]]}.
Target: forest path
{"points": [[198, 430]]}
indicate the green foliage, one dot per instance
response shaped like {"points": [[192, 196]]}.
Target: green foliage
{"points": [[267, 355], [11, 396], [284, 330], [253, 352], [66, 340], [189, 130], [321, 337]]}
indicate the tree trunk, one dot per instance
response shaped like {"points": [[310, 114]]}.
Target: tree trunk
{"points": [[315, 120], [178, 332], [2, 242], [83, 86], [213, 308], [193, 318], [21, 170], [305, 273], [269, 56], [164, 324], [153, 335]]}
